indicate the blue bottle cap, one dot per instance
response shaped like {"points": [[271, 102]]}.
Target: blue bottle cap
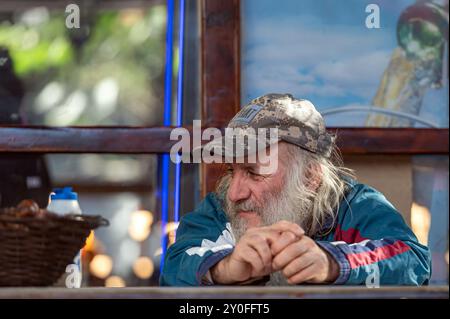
{"points": [[64, 193]]}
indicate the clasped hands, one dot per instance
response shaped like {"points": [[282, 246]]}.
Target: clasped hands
{"points": [[283, 247]]}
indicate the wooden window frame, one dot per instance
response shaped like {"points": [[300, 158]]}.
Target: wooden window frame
{"points": [[220, 96]]}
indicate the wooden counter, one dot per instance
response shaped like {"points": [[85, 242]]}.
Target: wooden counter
{"points": [[227, 292]]}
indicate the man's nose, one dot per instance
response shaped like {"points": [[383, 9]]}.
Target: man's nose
{"points": [[238, 189]]}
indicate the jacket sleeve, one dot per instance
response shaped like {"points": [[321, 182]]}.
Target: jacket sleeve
{"points": [[203, 238], [375, 246]]}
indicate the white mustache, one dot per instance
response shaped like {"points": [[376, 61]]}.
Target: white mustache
{"points": [[245, 206]]}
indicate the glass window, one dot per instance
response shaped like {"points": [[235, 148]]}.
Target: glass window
{"points": [[429, 213], [356, 71], [124, 189], [110, 71]]}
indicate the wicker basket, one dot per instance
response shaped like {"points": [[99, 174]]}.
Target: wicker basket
{"points": [[34, 251]]}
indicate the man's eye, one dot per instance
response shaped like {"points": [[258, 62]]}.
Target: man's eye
{"points": [[253, 174]]}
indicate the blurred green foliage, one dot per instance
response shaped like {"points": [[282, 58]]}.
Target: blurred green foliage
{"points": [[111, 76], [37, 48]]}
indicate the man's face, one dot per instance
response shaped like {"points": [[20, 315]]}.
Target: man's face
{"points": [[250, 187], [253, 199]]}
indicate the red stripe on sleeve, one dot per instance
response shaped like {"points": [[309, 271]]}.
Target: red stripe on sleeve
{"points": [[378, 254], [350, 235]]}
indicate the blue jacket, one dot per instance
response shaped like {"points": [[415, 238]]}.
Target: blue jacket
{"points": [[368, 236]]}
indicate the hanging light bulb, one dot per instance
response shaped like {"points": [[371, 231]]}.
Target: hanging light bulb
{"points": [[143, 267], [140, 224], [101, 266]]}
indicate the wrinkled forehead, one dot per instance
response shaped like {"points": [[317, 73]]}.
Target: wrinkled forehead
{"points": [[270, 160]]}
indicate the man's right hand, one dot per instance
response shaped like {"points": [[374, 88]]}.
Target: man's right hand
{"points": [[251, 258]]}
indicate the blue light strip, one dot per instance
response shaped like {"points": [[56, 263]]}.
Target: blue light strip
{"points": [[169, 65], [167, 121], [179, 107]]}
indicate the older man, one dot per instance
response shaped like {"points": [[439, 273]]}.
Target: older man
{"points": [[305, 221]]}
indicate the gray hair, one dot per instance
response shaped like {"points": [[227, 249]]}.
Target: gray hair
{"points": [[323, 198]]}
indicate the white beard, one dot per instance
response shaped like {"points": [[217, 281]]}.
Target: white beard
{"points": [[277, 206]]}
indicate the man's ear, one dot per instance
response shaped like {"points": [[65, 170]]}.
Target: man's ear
{"points": [[313, 176]]}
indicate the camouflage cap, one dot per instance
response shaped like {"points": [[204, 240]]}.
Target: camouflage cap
{"points": [[297, 120]]}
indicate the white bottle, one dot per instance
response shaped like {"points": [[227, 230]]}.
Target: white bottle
{"points": [[64, 201]]}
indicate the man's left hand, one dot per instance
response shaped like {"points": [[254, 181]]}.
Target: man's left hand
{"points": [[303, 261]]}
